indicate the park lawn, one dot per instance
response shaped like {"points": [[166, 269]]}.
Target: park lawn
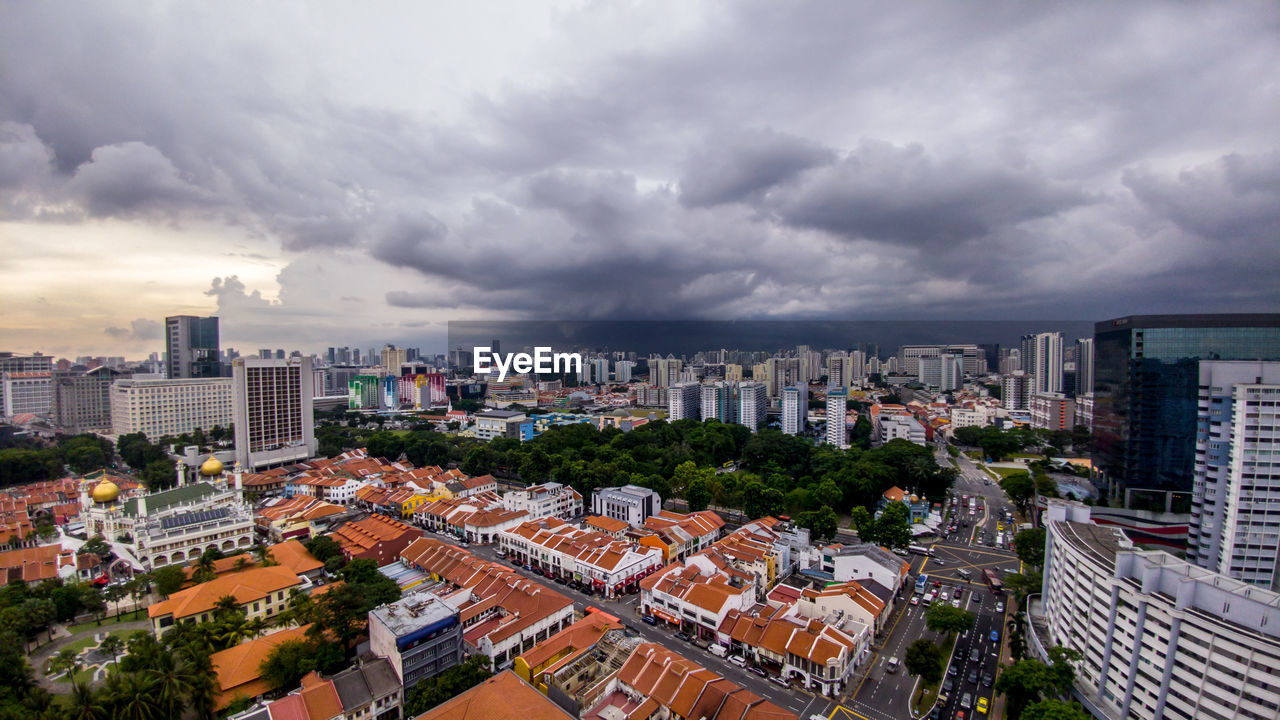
{"points": [[928, 692], [973, 454], [1004, 472], [1028, 456], [83, 677], [87, 641], [92, 626]]}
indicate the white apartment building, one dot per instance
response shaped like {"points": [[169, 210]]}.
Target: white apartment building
{"points": [[498, 423], [977, 416], [684, 401], [695, 595], [170, 407], [547, 500], [271, 405], [795, 408], [1015, 391], [909, 357], [837, 432], [719, 401], [1235, 508], [631, 504], [1160, 638], [863, 562], [893, 427], [1046, 369], [27, 392], [839, 370], [622, 371], [1084, 410], [753, 403], [944, 372]]}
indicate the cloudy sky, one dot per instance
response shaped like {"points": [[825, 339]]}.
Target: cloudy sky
{"points": [[321, 174]]}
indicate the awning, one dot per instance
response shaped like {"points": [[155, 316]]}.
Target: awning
{"points": [[665, 616]]}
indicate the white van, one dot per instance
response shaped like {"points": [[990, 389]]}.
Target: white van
{"points": [[964, 573], [738, 660], [892, 665], [718, 651]]}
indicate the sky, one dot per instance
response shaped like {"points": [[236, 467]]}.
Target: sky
{"points": [[353, 174]]}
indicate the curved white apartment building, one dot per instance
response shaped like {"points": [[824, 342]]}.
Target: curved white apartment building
{"points": [[1160, 638]]}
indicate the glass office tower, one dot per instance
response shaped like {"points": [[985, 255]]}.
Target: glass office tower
{"points": [[1145, 385]]}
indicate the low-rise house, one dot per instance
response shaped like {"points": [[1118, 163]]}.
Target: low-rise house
{"points": [[820, 654], [238, 668], [557, 549], [297, 517], [501, 697], [697, 594], [563, 648], [547, 500], [259, 592], [864, 561], [377, 537]]}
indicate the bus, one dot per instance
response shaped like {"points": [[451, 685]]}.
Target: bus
{"points": [[993, 582], [922, 582], [919, 550]]}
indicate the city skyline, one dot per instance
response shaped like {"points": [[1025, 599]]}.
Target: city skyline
{"points": [[379, 173]]}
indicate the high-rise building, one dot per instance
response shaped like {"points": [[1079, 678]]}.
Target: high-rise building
{"points": [[1146, 382], [837, 432], [82, 403], [1046, 366], [733, 372], [599, 370], [1010, 360], [1084, 366], [944, 372], [1015, 391], [857, 367], [909, 357], [1235, 506], [272, 406], [169, 407], [684, 401], [795, 408], [720, 402], [839, 370], [392, 358], [664, 372], [622, 371], [33, 391], [753, 402], [1158, 637], [1052, 411], [191, 347]]}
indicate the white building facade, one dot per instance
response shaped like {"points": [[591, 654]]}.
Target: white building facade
{"points": [[169, 407], [546, 500]]}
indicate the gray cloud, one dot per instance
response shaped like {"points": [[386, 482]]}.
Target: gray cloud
{"points": [[140, 329], [737, 165]]}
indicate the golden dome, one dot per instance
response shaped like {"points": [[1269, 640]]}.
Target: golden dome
{"points": [[105, 491], [211, 467]]}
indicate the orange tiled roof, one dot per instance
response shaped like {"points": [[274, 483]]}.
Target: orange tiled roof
{"points": [[237, 668], [245, 587], [502, 697]]}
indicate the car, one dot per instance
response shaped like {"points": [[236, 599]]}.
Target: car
{"points": [[939, 562], [500, 554], [948, 685], [959, 591], [699, 642], [952, 669], [778, 680], [892, 665], [975, 655], [758, 671], [982, 705], [972, 677], [684, 636], [966, 701], [987, 679], [999, 606], [955, 603], [915, 599], [588, 591], [995, 636], [937, 713], [959, 715], [649, 620], [528, 567], [559, 580], [943, 597], [738, 660]]}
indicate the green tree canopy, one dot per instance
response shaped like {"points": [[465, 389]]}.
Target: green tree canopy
{"points": [[1029, 544], [944, 618], [924, 659]]}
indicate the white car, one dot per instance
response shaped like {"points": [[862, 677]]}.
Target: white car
{"points": [[955, 603]]}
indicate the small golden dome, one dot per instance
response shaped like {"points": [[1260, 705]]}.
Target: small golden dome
{"points": [[105, 491], [211, 467]]}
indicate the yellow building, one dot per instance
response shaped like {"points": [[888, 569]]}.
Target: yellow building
{"points": [[259, 592], [562, 648]]}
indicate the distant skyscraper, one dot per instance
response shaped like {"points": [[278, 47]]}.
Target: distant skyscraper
{"points": [[684, 401], [1236, 492], [272, 408], [753, 402], [664, 372], [837, 433], [720, 401], [1146, 381], [1046, 367], [1015, 391], [191, 347], [839, 369], [622, 371], [944, 372], [1084, 367], [795, 408]]}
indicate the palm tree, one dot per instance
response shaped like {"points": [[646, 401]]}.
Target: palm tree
{"points": [[133, 697], [67, 660], [257, 626], [171, 682], [226, 603], [86, 704], [112, 645]]}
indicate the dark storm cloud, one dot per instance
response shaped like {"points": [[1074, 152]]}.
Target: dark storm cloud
{"points": [[734, 166], [768, 160]]}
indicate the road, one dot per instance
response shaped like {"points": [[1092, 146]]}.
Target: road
{"points": [[800, 702]]}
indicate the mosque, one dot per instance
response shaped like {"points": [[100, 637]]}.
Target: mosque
{"points": [[172, 527]]}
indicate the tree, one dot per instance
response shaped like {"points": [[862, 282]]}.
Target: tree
{"points": [[87, 703], [1023, 584], [114, 594], [1020, 488], [97, 546], [169, 579], [759, 501], [1029, 544], [285, 665], [822, 523], [969, 436], [697, 495], [864, 524], [1053, 709], [323, 547], [893, 527], [67, 660], [112, 645], [448, 684], [944, 618], [159, 474], [924, 659], [1023, 683]]}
